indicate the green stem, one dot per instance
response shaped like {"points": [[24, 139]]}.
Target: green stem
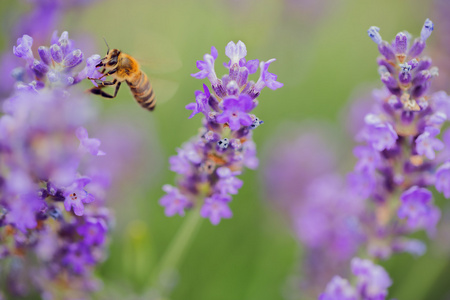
{"points": [[164, 270]]}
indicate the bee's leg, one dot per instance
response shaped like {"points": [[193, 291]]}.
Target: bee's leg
{"points": [[98, 91], [107, 82], [104, 74], [109, 73]]}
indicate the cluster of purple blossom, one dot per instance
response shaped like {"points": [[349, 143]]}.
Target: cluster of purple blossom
{"points": [[210, 163], [39, 21], [49, 209], [372, 282], [55, 68], [398, 162], [302, 180], [386, 197]]}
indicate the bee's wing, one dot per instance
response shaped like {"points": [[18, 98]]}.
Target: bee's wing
{"points": [[164, 89], [156, 54]]}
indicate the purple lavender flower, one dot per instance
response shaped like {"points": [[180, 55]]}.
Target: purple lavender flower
{"points": [[22, 212], [401, 136], [427, 143], [443, 179], [57, 63], [47, 216], [91, 70], [318, 203], [78, 258], [372, 280], [38, 22], [339, 289], [93, 231], [182, 162], [415, 205], [174, 202], [228, 183], [209, 163], [87, 144], [201, 102], [206, 67], [235, 112], [362, 183], [368, 158], [380, 135], [426, 30], [413, 246], [216, 208], [75, 196], [265, 79]]}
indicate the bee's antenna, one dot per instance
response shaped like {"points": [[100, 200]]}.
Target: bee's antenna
{"points": [[106, 45]]}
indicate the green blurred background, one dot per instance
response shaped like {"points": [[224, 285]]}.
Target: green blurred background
{"points": [[323, 55]]}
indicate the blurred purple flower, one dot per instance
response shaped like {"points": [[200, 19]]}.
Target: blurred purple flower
{"points": [[325, 215], [228, 183], [291, 167], [93, 231], [427, 143], [45, 206], [201, 102], [87, 144], [372, 280], [57, 63], [23, 49], [216, 208], [443, 179], [174, 202], [339, 289]]}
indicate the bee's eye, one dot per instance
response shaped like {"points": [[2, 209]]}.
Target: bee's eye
{"points": [[112, 61]]}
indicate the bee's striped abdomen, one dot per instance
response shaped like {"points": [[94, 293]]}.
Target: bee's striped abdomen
{"points": [[142, 91]]}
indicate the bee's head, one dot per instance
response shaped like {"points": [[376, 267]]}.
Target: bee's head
{"points": [[110, 60]]}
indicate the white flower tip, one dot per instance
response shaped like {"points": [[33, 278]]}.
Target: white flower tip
{"points": [[374, 34], [372, 119], [427, 28]]}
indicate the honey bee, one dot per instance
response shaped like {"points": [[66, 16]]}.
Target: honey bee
{"points": [[122, 67]]}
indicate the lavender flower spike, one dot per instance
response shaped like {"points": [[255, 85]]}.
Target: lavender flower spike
{"points": [[50, 221], [56, 67], [208, 165], [398, 162]]}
